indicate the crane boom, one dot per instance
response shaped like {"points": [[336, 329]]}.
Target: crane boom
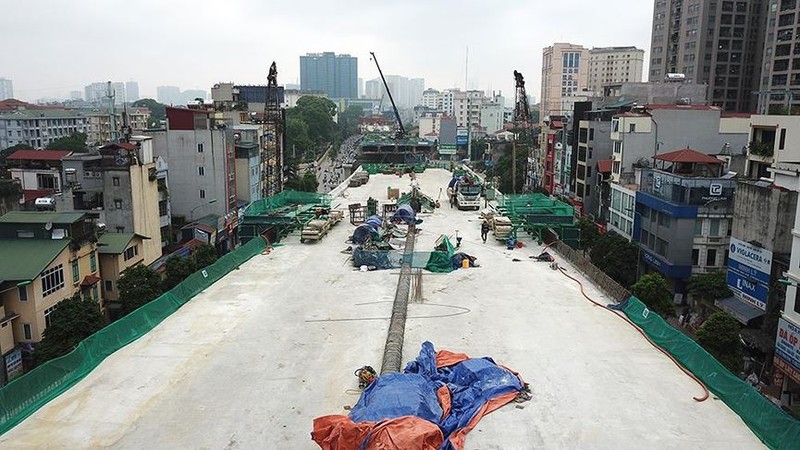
{"points": [[385, 85]]}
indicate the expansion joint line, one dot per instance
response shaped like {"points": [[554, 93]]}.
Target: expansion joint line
{"points": [[393, 350], [622, 316]]}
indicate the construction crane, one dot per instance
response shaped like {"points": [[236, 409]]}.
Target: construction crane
{"points": [[522, 112], [522, 117], [273, 141], [402, 132]]}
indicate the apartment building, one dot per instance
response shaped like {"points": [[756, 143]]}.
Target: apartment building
{"points": [[781, 66], [39, 127], [117, 252], [614, 65], [565, 76], [47, 257], [102, 129], [719, 43], [770, 142]]}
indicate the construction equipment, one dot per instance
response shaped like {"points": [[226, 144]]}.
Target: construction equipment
{"points": [[402, 132], [274, 137], [468, 196], [316, 229]]}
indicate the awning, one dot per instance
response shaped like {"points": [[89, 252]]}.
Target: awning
{"points": [[90, 280], [741, 310]]}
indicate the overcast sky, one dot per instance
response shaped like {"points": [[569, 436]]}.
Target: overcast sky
{"points": [[52, 47]]}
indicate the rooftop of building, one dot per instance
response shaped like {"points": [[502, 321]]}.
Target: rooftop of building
{"points": [[41, 217], [269, 347], [24, 259], [683, 107], [42, 114], [39, 155], [115, 243], [687, 155]]}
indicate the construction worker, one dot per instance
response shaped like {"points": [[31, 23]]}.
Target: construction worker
{"points": [[484, 231]]}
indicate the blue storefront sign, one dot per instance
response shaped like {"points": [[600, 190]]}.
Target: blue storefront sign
{"points": [[748, 289], [749, 270]]}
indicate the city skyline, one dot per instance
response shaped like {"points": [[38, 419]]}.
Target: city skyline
{"points": [[199, 63]]}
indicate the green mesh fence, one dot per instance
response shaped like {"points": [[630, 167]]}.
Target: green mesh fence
{"points": [[774, 427], [23, 396], [389, 169], [286, 198]]}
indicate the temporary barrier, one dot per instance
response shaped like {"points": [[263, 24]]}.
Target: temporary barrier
{"points": [[23, 396], [774, 427]]}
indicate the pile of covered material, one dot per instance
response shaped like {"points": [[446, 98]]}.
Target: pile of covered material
{"points": [[369, 230], [405, 214], [433, 404]]}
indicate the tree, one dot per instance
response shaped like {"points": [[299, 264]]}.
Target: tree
{"points": [[297, 140], [347, 122], [158, 111], [709, 287], [177, 269], [138, 285], [504, 167], [719, 335], [317, 113], [589, 233], [73, 320], [652, 290], [75, 142], [617, 257], [204, 256]]}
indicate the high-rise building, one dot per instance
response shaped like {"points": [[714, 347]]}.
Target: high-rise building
{"points": [[131, 91], [169, 95], [565, 76], [719, 43], [98, 92], [360, 87], [780, 72], [75, 95], [406, 92], [336, 75], [614, 66], [6, 89]]}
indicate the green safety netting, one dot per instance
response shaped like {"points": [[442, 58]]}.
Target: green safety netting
{"points": [[439, 260], [774, 427], [23, 396], [373, 169], [286, 198]]}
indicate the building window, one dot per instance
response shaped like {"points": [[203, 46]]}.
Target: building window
{"points": [[26, 330], [711, 257], [730, 226], [695, 256], [75, 271], [117, 203], [200, 148], [23, 293], [47, 313], [120, 229], [664, 220], [202, 193], [615, 125], [93, 262], [115, 181], [52, 280], [109, 285], [131, 252], [698, 227], [714, 228], [95, 293], [201, 171], [632, 128], [782, 142]]}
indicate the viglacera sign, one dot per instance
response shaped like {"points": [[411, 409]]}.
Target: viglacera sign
{"points": [[748, 254]]}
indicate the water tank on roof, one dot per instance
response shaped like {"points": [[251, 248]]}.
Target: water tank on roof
{"points": [[675, 77]]}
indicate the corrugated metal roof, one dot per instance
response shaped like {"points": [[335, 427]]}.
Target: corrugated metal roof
{"points": [[687, 155], [40, 155], [25, 259], [41, 217]]}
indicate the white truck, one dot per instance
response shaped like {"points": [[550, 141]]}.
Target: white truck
{"points": [[468, 196]]}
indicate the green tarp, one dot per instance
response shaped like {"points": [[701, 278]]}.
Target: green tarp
{"points": [[774, 427], [23, 396]]}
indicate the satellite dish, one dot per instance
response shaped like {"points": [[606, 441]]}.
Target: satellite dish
{"points": [[48, 226]]}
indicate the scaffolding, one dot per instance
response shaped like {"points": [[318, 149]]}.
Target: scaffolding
{"points": [[273, 141], [535, 213], [276, 216]]}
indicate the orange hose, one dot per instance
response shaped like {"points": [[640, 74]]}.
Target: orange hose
{"points": [[702, 398]]}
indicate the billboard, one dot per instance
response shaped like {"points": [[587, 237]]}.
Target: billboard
{"points": [[447, 149], [462, 136], [787, 343], [749, 269]]}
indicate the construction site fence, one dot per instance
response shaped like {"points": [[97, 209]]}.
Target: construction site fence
{"points": [[766, 420], [25, 395], [434, 261], [607, 284], [286, 198]]}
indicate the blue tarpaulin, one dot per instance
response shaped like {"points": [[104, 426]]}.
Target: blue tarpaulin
{"points": [[437, 399]]}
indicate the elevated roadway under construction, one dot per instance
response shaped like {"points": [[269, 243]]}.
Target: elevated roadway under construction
{"points": [[252, 360]]}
